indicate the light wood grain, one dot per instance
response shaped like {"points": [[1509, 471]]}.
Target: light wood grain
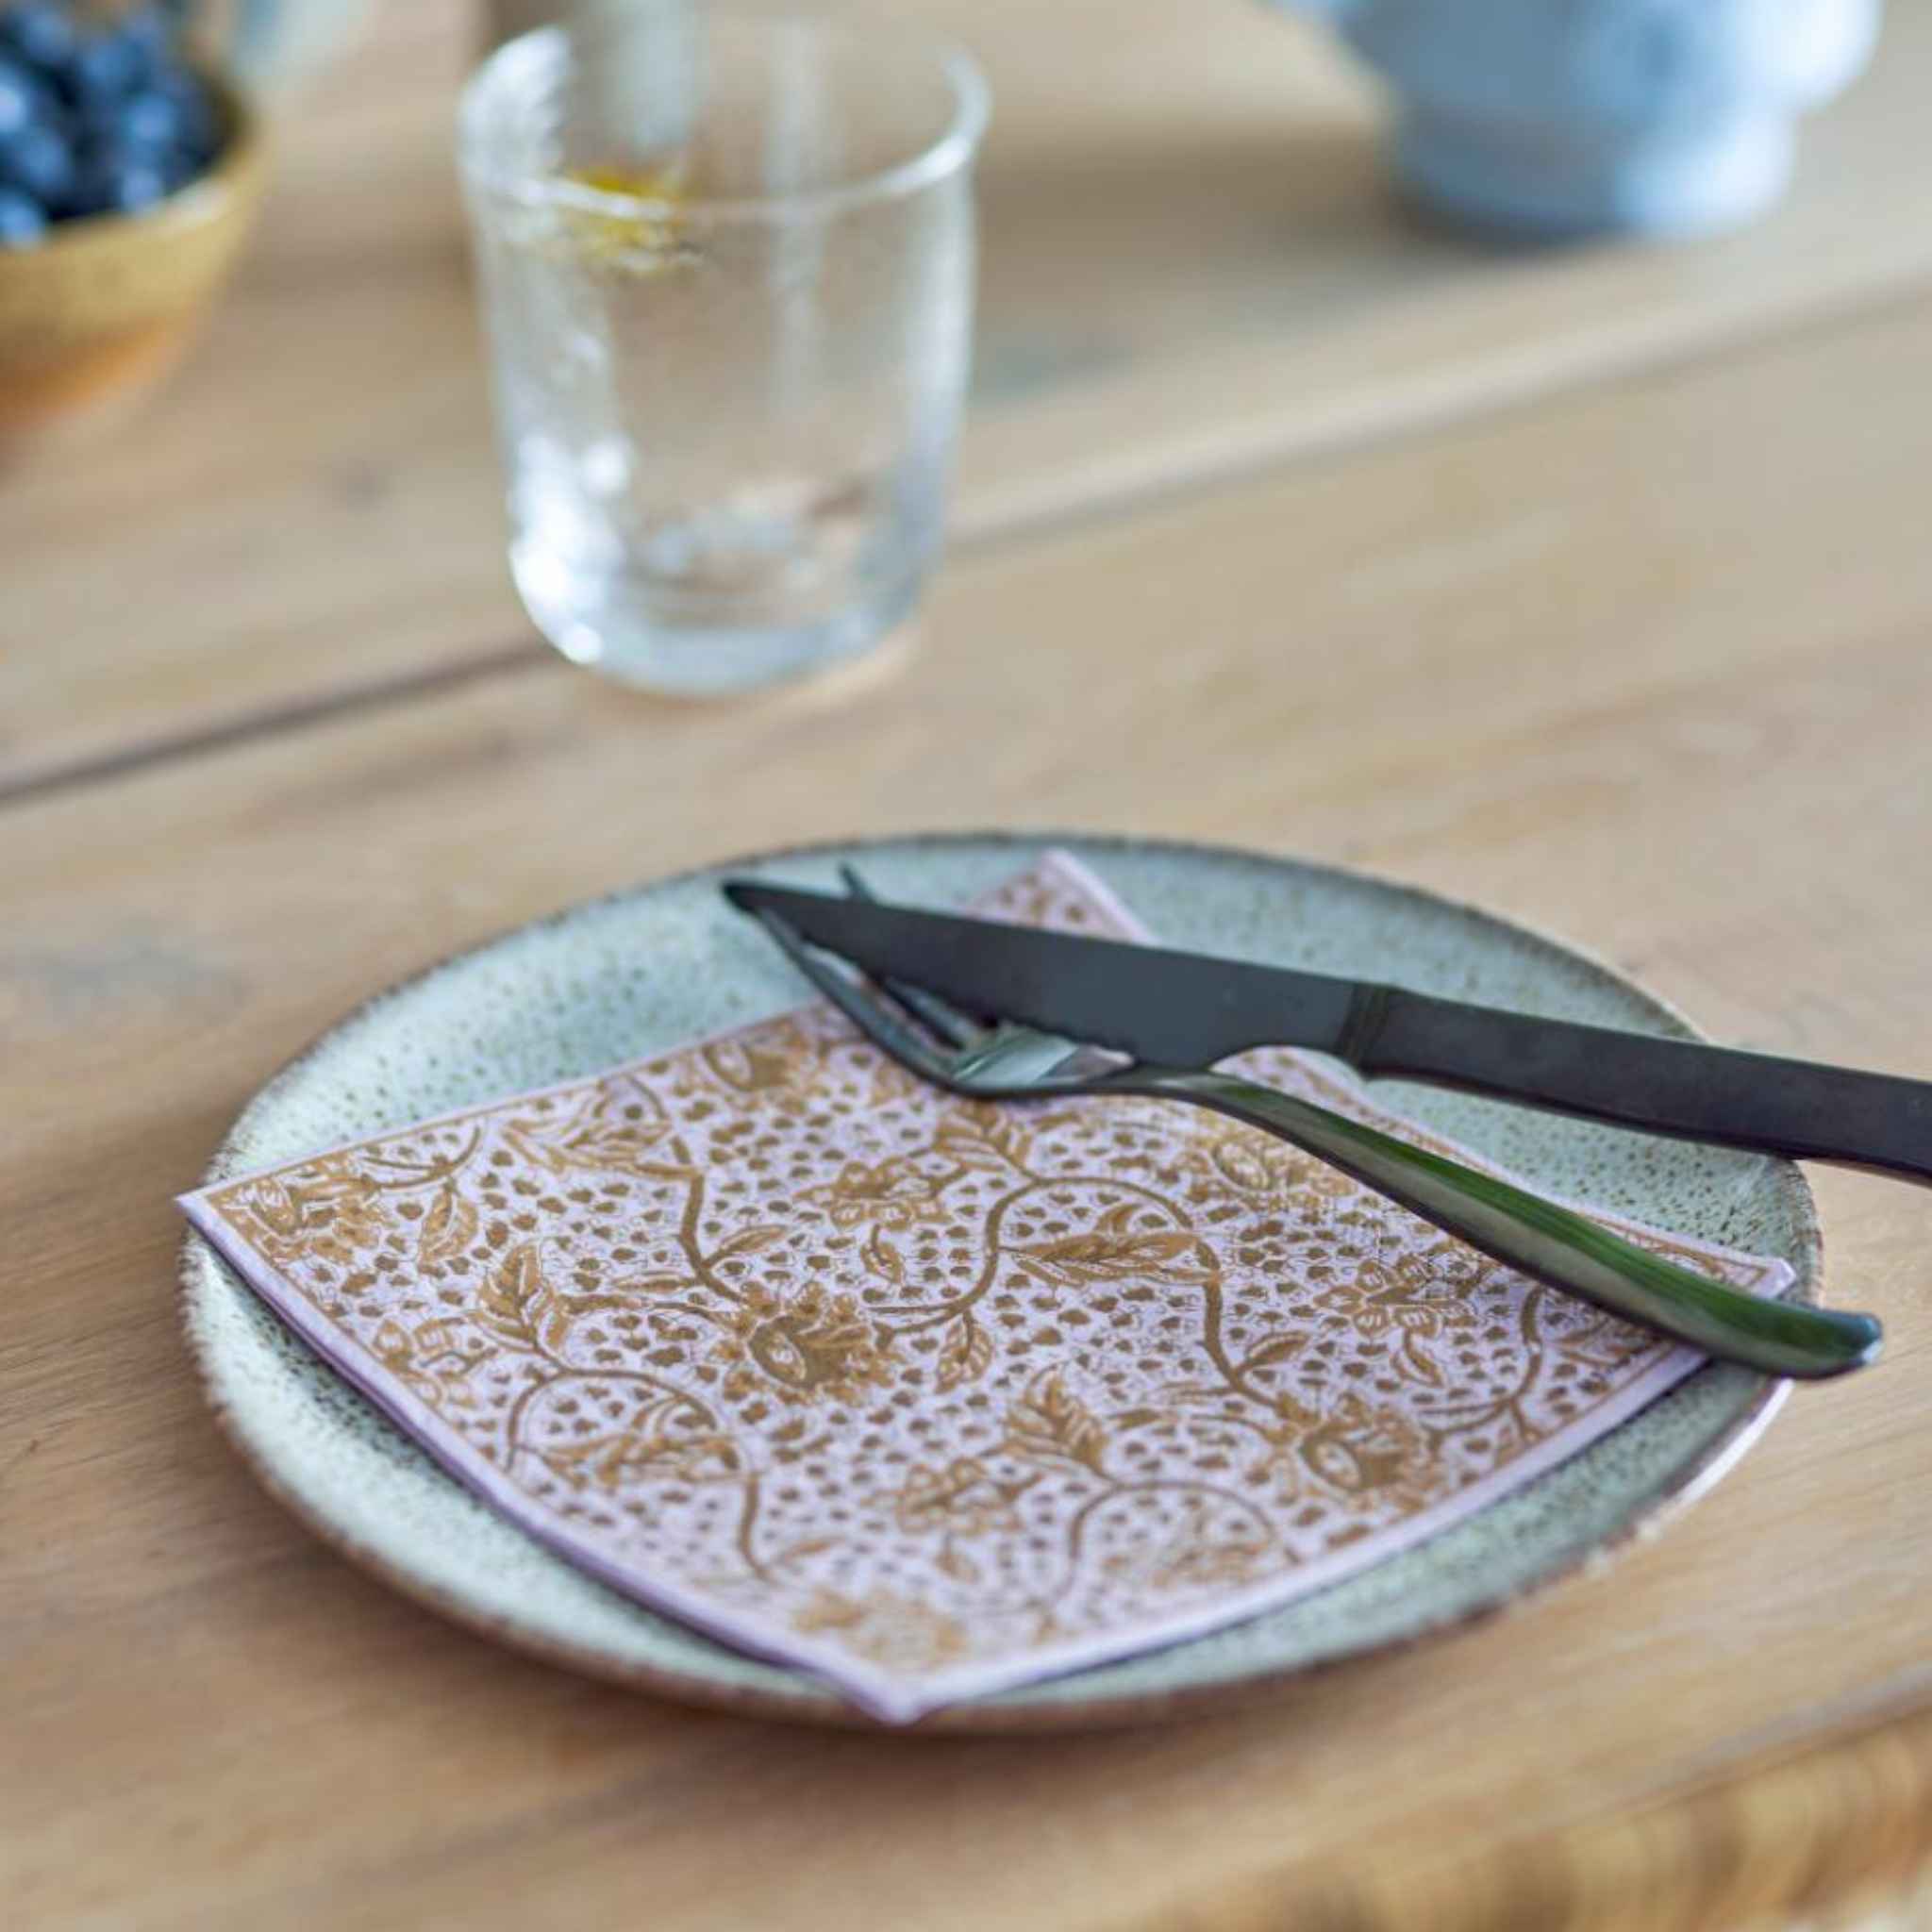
{"points": [[1191, 265], [1648, 664]]}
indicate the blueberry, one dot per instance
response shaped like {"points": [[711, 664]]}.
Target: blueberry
{"points": [[106, 68], [23, 101], [173, 167], [111, 183], [199, 124], [23, 220], [39, 159], [150, 120], [182, 165], [42, 32], [150, 31]]}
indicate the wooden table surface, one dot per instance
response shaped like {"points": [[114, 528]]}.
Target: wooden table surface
{"points": [[1593, 585]]}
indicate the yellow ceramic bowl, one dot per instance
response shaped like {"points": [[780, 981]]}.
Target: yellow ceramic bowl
{"points": [[98, 311]]}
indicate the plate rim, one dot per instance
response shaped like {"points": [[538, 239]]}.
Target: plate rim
{"points": [[806, 1703]]}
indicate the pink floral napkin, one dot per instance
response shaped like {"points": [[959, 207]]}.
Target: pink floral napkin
{"points": [[926, 1396]]}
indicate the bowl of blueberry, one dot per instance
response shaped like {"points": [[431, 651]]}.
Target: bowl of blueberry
{"points": [[128, 174]]}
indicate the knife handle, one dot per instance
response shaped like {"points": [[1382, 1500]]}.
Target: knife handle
{"points": [[1677, 1087]]}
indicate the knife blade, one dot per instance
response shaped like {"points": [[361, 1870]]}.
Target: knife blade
{"points": [[1175, 1008]]}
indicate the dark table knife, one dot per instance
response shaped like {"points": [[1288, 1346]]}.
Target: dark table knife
{"points": [[1185, 1009]]}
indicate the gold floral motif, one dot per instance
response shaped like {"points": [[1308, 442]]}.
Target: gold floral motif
{"points": [[610, 1133], [1197, 1556], [1263, 1169], [1050, 1424], [629, 1455], [432, 1360], [812, 1345], [966, 1351], [1120, 1246], [902, 1633], [448, 1226], [895, 1192], [765, 1063], [1601, 1342], [961, 1499], [1417, 1298], [1354, 1450], [982, 1136], [1415, 1294], [328, 1213], [1208, 1565], [518, 1302]]}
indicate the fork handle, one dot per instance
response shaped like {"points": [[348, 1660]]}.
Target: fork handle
{"points": [[1551, 1244]]}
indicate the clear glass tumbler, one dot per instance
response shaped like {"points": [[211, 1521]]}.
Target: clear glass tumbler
{"points": [[727, 265]]}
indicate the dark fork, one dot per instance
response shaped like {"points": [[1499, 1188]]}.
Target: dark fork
{"points": [[997, 1062]]}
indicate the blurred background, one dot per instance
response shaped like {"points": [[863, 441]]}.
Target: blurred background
{"points": [[1194, 257]]}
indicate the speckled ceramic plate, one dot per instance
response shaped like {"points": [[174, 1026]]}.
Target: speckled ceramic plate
{"points": [[622, 977]]}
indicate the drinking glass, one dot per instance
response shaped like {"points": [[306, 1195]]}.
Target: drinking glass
{"points": [[726, 263]]}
